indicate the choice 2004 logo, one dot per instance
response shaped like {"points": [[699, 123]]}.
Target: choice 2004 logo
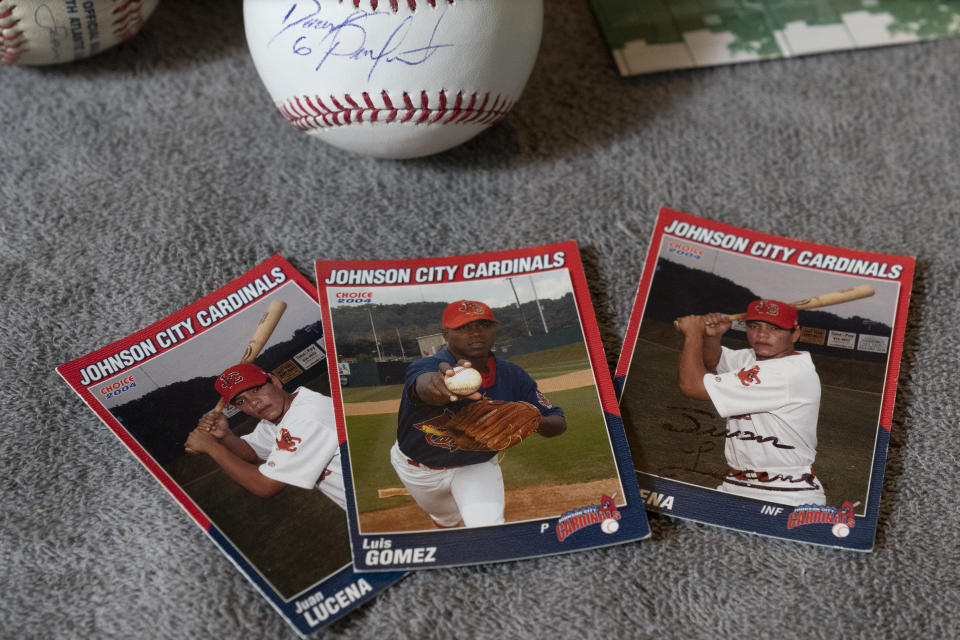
{"points": [[117, 387]]}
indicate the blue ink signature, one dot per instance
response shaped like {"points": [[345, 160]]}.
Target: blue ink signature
{"points": [[348, 39], [43, 17]]}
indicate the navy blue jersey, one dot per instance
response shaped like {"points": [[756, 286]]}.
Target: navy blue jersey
{"points": [[506, 381]]}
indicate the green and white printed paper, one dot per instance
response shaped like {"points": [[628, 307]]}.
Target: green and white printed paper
{"points": [[657, 35]]}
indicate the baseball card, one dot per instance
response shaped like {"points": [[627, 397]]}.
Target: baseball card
{"points": [[227, 404], [478, 410], [757, 380]]}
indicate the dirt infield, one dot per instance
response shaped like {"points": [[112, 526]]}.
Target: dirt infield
{"points": [[573, 380], [528, 503]]}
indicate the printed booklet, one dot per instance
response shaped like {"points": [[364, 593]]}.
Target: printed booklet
{"points": [[757, 380], [226, 403], [439, 468], [646, 36]]}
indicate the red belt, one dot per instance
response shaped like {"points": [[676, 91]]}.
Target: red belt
{"points": [[417, 464]]}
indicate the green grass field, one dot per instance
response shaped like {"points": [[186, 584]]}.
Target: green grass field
{"points": [[372, 394], [676, 437], [581, 454], [554, 362]]}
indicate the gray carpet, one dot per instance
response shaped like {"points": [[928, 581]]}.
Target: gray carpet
{"points": [[137, 181]]}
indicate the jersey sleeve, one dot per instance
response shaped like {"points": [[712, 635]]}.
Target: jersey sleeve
{"points": [[750, 388], [306, 442], [531, 393], [261, 440], [728, 360], [418, 368]]}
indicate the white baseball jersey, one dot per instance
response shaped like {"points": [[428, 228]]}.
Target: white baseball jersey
{"points": [[771, 407], [303, 449]]}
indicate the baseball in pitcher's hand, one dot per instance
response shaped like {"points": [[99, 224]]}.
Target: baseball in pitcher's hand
{"points": [[447, 371], [431, 389]]}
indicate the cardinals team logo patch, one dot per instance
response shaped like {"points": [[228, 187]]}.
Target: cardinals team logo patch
{"points": [[841, 520], [767, 307], [287, 442], [605, 514], [229, 379], [473, 308], [542, 399], [749, 376], [433, 431]]}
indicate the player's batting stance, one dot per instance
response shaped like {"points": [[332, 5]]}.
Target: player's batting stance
{"points": [[294, 443], [452, 484], [770, 396]]}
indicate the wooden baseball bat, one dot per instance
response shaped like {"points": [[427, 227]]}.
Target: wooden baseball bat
{"points": [[826, 299], [261, 334], [822, 300]]}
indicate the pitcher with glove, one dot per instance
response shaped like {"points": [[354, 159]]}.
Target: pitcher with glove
{"points": [[447, 446]]}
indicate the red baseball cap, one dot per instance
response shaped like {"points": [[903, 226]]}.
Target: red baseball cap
{"points": [[463, 312], [237, 379], [775, 312]]}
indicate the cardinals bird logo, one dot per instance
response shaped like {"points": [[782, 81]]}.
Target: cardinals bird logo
{"points": [[433, 431], [287, 442], [749, 376]]}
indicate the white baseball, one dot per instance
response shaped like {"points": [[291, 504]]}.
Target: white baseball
{"points": [[38, 32], [609, 525], [841, 530], [394, 78], [464, 381]]}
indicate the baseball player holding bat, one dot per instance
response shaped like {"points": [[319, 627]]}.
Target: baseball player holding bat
{"points": [[448, 483], [294, 443], [769, 395]]}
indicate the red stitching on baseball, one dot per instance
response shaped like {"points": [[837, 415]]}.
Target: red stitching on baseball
{"points": [[312, 113], [390, 109], [425, 105], [356, 109], [12, 43], [340, 111], [322, 109], [442, 111], [475, 113], [395, 4], [127, 20], [411, 109]]}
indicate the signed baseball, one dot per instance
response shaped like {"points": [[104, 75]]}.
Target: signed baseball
{"points": [[394, 78], [464, 381], [38, 32]]}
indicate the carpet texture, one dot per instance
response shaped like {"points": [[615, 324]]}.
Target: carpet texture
{"points": [[137, 181]]}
